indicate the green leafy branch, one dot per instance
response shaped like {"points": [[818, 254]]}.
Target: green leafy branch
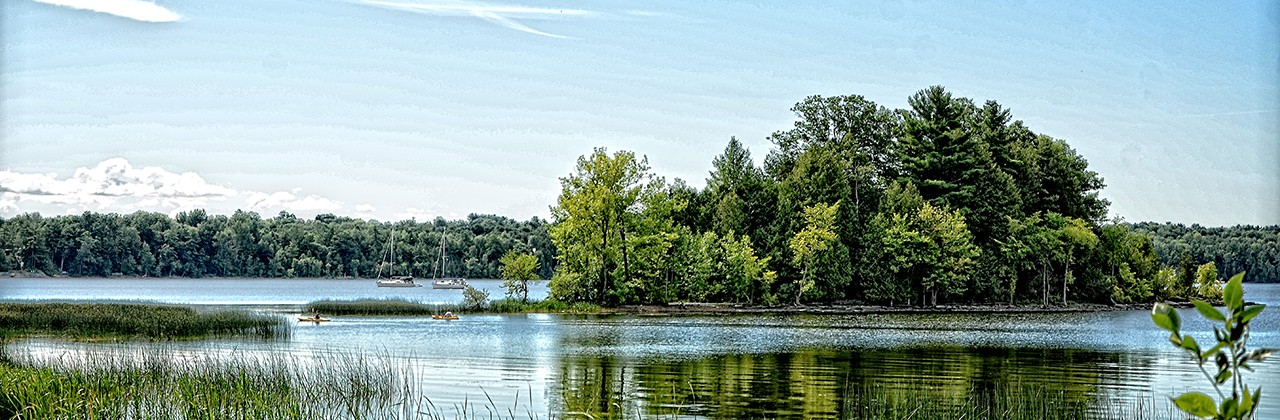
{"points": [[1229, 355]]}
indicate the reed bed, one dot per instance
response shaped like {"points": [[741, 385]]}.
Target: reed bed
{"points": [[375, 307], [161, 384], [402, 307], [158, 321]]}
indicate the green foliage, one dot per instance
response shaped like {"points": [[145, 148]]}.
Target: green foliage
{"points": [[1229, 355], [815, 237], [613, 228], [1251, 249], [1208, 285], [195, 244], [517, 270], [474, 299]]}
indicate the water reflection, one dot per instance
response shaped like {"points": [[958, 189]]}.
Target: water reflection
{"points": [[820, 383]]}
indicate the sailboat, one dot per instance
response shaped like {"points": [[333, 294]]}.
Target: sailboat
{"points": [[446, 283], [393, 280]]}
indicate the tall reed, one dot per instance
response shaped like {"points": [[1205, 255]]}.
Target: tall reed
{"points": [[160, 321]]}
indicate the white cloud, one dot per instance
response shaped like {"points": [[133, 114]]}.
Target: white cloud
{"points": [[282, 200], [504, 15], [133, 9], [415, 214], [115, 185], [366, 209]]}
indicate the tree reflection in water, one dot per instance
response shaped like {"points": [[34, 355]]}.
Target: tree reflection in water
{"points": [[930, 382]]}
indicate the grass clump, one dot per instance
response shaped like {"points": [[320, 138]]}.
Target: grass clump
{"points": [[91, 320], [401, 307], [511, 306], [373, 307]]}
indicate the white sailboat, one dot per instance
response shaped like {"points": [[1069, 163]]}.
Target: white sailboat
{"points": [[393, 280], [442, 282]]}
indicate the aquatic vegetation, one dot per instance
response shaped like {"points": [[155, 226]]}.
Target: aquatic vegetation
{"points": [[374, 307], [162, 384], [159, 321], [402, 307]]}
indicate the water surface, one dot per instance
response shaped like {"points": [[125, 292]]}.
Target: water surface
{"points": [[729, 366]]}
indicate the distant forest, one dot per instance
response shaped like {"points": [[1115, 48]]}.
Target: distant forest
{"points": [[196, 244], [946, 201], [1254, 250]]}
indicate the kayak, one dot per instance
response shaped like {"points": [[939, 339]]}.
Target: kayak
{"points": [[445, 317], [312, 319]]}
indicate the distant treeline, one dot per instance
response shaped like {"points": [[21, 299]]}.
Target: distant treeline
{"points": [[1252, 249], [196, 244]]}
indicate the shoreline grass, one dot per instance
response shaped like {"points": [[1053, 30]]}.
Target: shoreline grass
{"points": [[145, 383], [155, 321], [403, 307]]}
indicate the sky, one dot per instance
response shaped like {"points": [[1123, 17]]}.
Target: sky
{"points": [[399, 109]]}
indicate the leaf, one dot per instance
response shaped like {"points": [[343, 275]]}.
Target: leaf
{"points": [[1196, 404], [1223, 376], [1228, 408], [1165, 317], [1251, 312], [1233, 294], [1260, 354], [1246, 400], [1189, 343], [1209, 311]]}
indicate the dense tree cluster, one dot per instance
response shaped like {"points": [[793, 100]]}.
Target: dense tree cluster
{"points": [[946, 201], [196, 244], [1253, 250]]}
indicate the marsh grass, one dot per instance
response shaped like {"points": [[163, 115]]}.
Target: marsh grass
{"points": [[402, 307], [165, 384], [158, 321]]}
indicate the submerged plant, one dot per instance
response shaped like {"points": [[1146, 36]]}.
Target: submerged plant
{"points": [[1229, 354]]}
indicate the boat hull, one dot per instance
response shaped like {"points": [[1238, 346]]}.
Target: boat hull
{"points": [[449, 284], [397, 284], [310, 319], [445, 317]]}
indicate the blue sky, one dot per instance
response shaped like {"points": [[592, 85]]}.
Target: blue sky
{"points": [[418, 108]]}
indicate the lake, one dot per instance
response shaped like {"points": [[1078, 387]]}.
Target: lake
{"points": [[730, 366]]}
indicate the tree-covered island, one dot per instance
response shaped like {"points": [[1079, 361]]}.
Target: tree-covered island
{"points": [[946, 202]]}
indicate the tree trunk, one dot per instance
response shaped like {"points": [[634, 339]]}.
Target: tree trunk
{"points": [[804, 275], [1065, 270], [626, 261], [1044, 282]]}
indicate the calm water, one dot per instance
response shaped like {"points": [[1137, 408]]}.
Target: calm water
{"points": [[703, 366]]}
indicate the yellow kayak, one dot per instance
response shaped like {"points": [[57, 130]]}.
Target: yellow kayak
{"points": [[312, 319], [446, 317]]}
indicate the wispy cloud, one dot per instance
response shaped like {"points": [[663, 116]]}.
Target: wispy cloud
{"points": [[115, 185], [140, 10], [504, 15]]}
